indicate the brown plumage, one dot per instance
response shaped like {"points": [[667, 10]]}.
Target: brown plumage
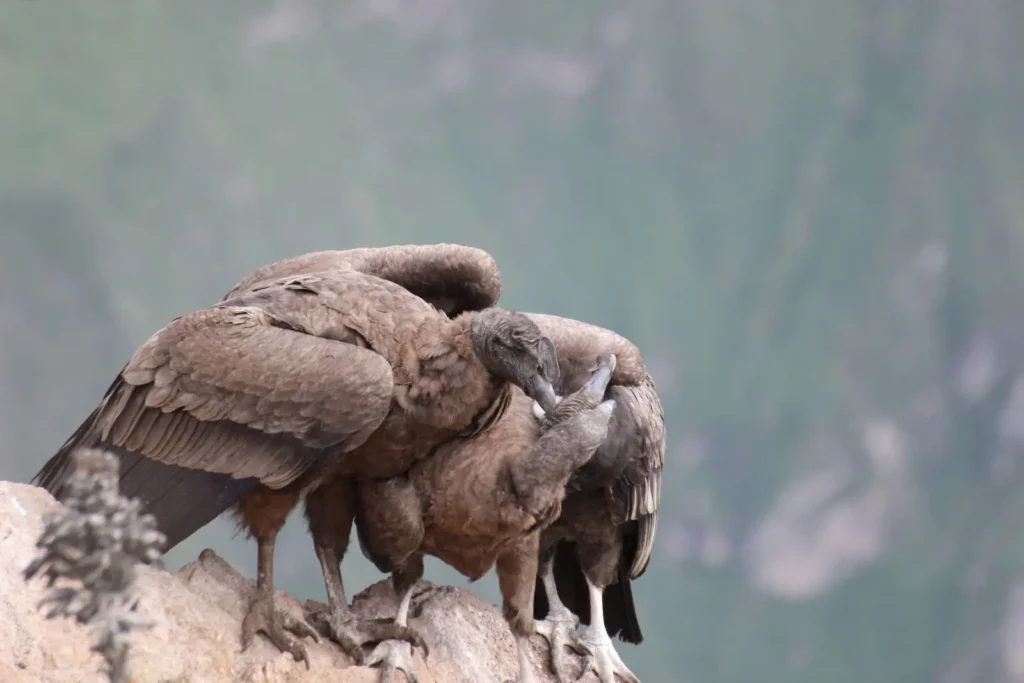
{"points": [[538, 507], [481, 502], [452, 277], [298, 376]]}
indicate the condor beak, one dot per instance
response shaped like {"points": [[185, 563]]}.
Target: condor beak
{"points": [[541, 391]]}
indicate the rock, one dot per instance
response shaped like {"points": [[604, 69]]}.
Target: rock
{"points": [[198, 613]]}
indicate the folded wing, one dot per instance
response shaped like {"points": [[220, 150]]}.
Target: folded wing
{"points": [[451, 277], [634, 454], [233, 390]]}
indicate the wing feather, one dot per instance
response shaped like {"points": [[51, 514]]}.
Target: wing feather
{"points": [[634, 452], [226, 391], [451, 277], [638, 443], [341, 305]]}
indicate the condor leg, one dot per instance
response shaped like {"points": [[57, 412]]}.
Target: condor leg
{"points": [[517, 572], [264, 513], [596, 644], [396, 654], [330, 512], [559, 627]]}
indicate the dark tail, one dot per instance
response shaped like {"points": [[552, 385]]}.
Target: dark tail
{"points": [[619, 611], [57, 469], [618, 598], [182, 500]]}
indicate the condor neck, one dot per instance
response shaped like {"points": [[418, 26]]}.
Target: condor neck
{"points": [[443, 383]]}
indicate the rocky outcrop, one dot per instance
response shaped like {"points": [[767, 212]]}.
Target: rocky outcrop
{"points": [[197, 614]]}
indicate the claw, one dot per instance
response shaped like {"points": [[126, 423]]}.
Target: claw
{"points": [[525, 668], [560, 632], [352, 633], [602, 659], [393, 655], [266, 618]]}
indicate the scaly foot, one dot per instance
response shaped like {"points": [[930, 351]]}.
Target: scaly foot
{"points": [[602, 658], [266, 618], [559, 629], [391, 656], [525, 667], [352, 632]]}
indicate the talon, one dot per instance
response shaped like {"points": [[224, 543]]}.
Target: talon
{"points": [[560, 632], [393, 655], [300, 627], [352, 633], [274, 623], [588, 666], [299, 653], [602, 659], [421, 591]]}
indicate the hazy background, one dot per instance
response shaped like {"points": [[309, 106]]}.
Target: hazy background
{"points": [[809, 215]]}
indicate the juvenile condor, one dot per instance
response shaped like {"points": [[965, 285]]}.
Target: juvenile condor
{"points": [[529, 501], [296, 375], [604, 536], [481, 502]]}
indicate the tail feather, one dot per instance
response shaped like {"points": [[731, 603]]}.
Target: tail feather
{"points": [[540, 600], [619, 608], [54, 473], [182, 500], [620, 613]]}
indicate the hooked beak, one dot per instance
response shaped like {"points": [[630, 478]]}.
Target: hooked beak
{"points": [[541, 391]]}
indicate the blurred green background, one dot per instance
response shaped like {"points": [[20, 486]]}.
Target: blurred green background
{"points": [[809, 215]]}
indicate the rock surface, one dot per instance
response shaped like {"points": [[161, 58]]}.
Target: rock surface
{"points": [[198, 612]]}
